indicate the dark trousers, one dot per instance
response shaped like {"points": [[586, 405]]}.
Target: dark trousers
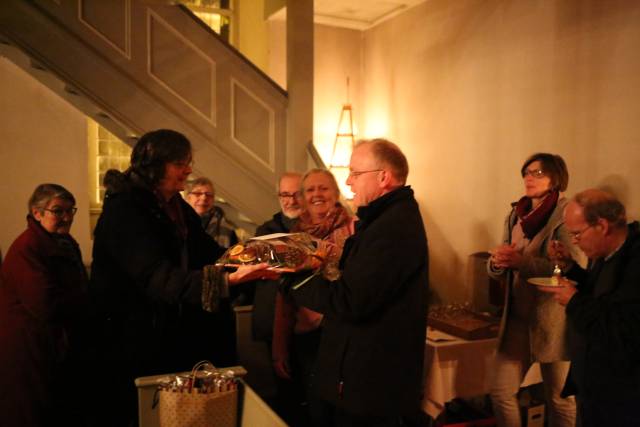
{"points": [[295, 401], [331, 416], [600, 413]]}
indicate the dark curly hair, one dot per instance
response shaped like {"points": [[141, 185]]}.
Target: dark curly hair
{"points": [[154, 150]]}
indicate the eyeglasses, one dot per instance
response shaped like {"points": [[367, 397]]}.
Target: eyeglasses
{"points": [[59, 212], [534, 173], [355, 174], [183, 164], [202, 193], [577, 234], [289, 195]]}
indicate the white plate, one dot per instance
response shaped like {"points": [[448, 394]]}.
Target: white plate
{"points": [[546, 281]]}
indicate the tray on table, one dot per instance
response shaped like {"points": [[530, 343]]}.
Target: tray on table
{"points": [[465, 324]]}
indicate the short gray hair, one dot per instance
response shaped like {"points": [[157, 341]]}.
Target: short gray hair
{"points": [[598, 204], [288, 175], [202, 181], [388, 154], [45, 193]]}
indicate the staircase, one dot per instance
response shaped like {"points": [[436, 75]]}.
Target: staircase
{"points": [[136, 65]]}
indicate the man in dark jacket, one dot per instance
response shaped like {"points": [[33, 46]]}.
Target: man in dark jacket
{"points": [[282, 222], [370, 363], [290, 205], [264, 301], [603, 311]]}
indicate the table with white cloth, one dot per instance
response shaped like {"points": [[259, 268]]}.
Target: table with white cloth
{"points": [[458, 368]]}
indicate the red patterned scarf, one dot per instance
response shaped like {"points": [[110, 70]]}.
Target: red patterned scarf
{"points": [[532, 220]]}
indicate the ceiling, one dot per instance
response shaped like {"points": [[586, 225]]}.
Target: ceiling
{"points": [[354, 14], [358, 14]]}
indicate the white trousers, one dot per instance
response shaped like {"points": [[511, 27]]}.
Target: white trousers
{"points": [[508, 374]]}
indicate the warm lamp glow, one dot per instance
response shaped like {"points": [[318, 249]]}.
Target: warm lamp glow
{"points": [[341, 152], [376, 125], [341, 174], [345, 139]]}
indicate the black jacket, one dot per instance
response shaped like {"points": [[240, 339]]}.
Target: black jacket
{"points": [[264, 303], [371, 354], [147, 282], [604, 317], [278, 224]]}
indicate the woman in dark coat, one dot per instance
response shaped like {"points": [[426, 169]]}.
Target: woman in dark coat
{"points": [[43, 305], [152, 275]]}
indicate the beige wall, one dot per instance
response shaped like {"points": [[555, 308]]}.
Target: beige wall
{"points": [[277, 51], [337, 56], [470, 88], [42, 139], [251, 31]]}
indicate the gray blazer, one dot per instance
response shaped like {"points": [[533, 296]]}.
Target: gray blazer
{"points": [[545, 318]]}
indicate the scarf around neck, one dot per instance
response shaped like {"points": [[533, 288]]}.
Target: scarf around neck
{"points": [[335, 218], [532, 220]]}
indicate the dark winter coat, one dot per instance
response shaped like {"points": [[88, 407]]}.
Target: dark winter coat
{"points": [[147, 283], [279, 223], [264, 303], [371, 354], [43, 308], [604, 320]]}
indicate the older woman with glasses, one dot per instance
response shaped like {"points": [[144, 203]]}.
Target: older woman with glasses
{"points": [[43, 306], [533, 325], [201, 195], [153, 278]]}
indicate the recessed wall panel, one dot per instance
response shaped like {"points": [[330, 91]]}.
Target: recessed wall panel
{"points": [[110, 20], [181, 68], [253, 124]]}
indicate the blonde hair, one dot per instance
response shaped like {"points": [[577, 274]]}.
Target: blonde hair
{"points": [[324, 172]]}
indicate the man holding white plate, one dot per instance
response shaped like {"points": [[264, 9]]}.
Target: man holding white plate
{"points": [[603, 311]]}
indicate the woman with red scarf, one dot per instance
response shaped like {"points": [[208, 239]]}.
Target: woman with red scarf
{"points": [[296, 330], [532, 327]]}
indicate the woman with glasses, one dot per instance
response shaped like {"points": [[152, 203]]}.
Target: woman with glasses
{"points": [[201, 195], [533, 325], [160, 298], [296, 331], [43, 307]]}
